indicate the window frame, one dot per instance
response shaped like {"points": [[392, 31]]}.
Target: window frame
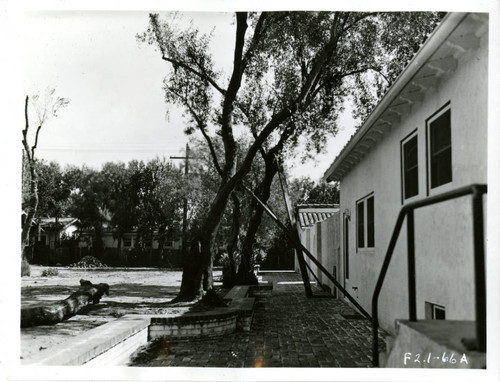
{"points": [[431, 310], [127, 237], [365, 223], [413, 135], [429, 155]]}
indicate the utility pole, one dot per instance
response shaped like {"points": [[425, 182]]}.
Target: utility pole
{"points": [[184, 212]]}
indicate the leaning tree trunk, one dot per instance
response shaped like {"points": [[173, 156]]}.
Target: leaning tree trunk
{"points": [[62, 310], [197, 265], [229, 274], [246, 275]]}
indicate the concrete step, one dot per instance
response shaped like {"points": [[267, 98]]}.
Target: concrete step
{"points": [[433, 344], [237, 291], [117, 339]]}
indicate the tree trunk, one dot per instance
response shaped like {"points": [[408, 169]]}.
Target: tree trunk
{"points": [[33, 205], [62, 310], [235, 229], [229, 279], [192, 272], [198, 262], [246, 275]]}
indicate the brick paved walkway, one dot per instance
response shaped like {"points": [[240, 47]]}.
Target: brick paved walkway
{"points": [[288, 330]]}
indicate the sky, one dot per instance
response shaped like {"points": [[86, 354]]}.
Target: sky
{"points": [[117, 110]]}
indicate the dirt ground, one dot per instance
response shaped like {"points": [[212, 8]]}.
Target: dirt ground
{"points": [[132, 291]]}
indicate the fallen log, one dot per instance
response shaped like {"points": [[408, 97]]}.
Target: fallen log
{"points": [[64, 309]]}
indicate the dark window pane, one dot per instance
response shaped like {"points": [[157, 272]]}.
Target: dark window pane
{"points": [[346, 247], [318, 240], [361, 224], [410, 155], [439, 313], [370, 222], [127, 241], [440, 145]]}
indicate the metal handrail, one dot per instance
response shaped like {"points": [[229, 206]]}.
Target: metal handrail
{"points": [[293, 237], [477, 191]]}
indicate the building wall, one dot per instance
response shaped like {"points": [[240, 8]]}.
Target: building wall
{"points": [[330, 244], [110, 242], [443, 233], [53, 235], [322, 240]]}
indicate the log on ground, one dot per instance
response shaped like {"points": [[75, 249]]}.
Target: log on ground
{"points": [[62, 310]]}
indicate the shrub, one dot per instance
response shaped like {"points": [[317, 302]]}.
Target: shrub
{"points": [[25, 268], [49, 272]]}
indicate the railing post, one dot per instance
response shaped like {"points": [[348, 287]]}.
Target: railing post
{"points": [[479, 267], [375, 360], [412, 304]]}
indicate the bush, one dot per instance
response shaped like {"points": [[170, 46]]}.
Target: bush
{"points": [[49, 272], [25, 268]]}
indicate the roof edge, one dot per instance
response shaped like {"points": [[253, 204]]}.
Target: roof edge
{"points": [[434, 41]]}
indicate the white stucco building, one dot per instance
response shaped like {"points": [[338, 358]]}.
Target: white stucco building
{"points": [[427, 136], [319, 233]]}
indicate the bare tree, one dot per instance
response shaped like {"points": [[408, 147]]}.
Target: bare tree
{"points": [[43, 111]]}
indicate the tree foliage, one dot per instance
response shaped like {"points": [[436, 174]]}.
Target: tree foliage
{"points": [[291, 73]]}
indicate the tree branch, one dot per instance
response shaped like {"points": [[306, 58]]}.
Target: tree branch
{"points": [[258, 33], [36, 141], [202, 76], [212, 151], [232, 90], [325, 55], [364, 16], [201, 127], [25, 131], [292, 107]]}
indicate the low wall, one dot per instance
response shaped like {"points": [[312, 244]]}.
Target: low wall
{"points": [[113, 343], [204, 324], [125, 333]]}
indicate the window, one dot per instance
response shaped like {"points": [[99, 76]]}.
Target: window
{"points": [[127, 241], [361, 224], [370, 223], [409, 154], [434, 311], [318, 241], [365, 225], [346, 244], [438, 312], [439, 147], [169, 240]]}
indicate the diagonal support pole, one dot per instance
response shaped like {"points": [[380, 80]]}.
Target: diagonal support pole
{"points": [[292, 237], [293, 223]]}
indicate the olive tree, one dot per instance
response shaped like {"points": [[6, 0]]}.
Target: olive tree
{"points": [[291, 73]]}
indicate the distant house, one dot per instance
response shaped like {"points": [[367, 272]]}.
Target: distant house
{"points": [[427, 136], [130, 240], [49, 231], [319, 227]]}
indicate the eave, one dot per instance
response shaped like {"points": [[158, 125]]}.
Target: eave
{"points": [[457, 34]]}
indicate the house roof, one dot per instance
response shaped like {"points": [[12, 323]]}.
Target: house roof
{"points": [[457, 34], [51, 222], [310, 214]]}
